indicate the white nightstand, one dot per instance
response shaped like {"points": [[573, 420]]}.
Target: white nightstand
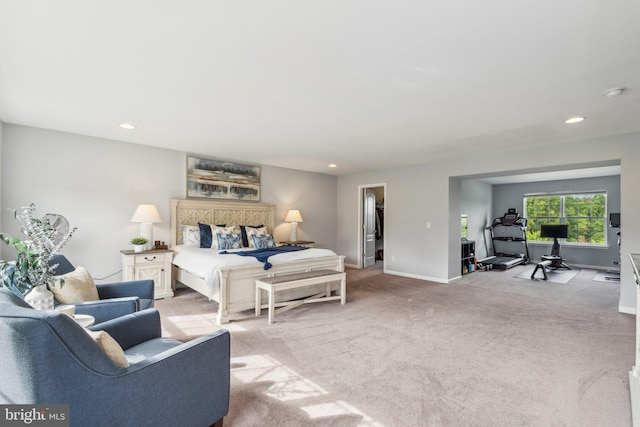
{"points": [[154, 264]]}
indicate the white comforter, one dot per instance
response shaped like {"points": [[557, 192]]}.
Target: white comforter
{"points": [[205, 263]]}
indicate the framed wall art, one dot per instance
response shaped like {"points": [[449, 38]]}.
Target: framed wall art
{"points": [[219, 179]]}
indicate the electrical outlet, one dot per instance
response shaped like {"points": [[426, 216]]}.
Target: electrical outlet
{"points": [[393, 258], [428, 225]]}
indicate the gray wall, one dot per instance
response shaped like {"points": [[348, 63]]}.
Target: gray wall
{"points": [[476, 199], [511, 195], [409, 195], [432, 192], [97, 184], [1, 244]]}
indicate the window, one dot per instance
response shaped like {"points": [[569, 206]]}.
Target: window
{"points": [[464, 226], [584, 213]]}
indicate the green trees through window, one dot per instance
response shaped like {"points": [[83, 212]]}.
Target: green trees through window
{"points": [[464, 226], [585, 215]]}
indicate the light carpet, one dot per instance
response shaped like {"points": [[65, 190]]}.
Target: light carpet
{"points": [[486, 350], [554, 275]]}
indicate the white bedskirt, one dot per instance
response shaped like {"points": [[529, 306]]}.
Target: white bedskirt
{"points": [[206, 263]]}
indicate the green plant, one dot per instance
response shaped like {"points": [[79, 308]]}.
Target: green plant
{"points": [[139, 241], [31, 267]]}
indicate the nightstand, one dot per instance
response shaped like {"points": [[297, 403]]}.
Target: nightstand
{"points": [[154, 264], [306, 243]]}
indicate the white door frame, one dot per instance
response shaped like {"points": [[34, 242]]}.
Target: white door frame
{"points": [[361, 189]]}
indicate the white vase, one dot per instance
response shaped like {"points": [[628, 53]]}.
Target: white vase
{"points": [[139, 248], [40, 298]]}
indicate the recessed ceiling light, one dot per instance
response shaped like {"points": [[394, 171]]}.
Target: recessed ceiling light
{"points": [[333, 165], [572, 120], [127, 126], [614, 92]]}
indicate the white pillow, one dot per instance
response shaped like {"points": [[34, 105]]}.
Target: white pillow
{"points": [[190, 235], [254, 231], [215, 230], [78, 287]]}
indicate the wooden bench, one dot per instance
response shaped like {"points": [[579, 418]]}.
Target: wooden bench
{"points": [[299, 280]]}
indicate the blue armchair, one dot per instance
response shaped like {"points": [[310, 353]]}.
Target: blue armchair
{"points": [[116, 299], [47, 358]]}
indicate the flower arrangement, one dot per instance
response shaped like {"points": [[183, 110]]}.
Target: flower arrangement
{"points": [[31, 267]]}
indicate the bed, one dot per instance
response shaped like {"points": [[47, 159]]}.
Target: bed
{"points": [[231, 282]]}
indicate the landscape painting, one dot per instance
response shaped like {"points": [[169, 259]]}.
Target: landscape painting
{"points": [[218, 179]]}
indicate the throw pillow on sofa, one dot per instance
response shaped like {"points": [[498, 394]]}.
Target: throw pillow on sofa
{"points": [[110, 347], [78, 287]]}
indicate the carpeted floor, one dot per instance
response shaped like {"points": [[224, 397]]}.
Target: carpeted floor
{"points": [[487, 350]]}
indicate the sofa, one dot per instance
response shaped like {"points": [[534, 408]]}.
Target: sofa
{"points": [[116, 299], [49, 358]]}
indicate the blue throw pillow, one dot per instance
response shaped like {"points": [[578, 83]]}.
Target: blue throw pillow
{"points": [[229, 241], [206, 238], [263, 241], [243, 231]]}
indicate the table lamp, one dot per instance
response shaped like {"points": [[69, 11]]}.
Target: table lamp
{"points": [[294, 217], [146, 215]]}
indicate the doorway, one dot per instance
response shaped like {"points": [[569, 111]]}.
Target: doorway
{"points": [[371, 240]]}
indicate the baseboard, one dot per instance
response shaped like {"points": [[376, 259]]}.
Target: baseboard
{"points": [[634, 393], [627, 310], [416, 276], [412, 276]]}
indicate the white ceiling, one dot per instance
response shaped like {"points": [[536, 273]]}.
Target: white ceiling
{"points": [[363, 84], [590, 172]]}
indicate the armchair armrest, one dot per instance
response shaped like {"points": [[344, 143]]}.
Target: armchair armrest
{"points": [[195, 374], [108, 309], [140, 288], [134, 328], [213, 346]]}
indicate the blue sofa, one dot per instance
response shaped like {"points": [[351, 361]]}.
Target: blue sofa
{"points": [[47, 358], [116, 299]]}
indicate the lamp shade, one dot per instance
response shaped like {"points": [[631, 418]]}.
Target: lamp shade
{"points": [[146, 214], [293, 216]]}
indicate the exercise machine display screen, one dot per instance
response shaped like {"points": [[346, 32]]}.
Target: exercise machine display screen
{"points": [[614, 220], [510, 217], [556, 231]]}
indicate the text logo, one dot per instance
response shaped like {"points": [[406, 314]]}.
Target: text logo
{"points": [[34, 415]]}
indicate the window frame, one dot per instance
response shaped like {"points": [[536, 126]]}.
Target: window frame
{"points": [[563, 217]]}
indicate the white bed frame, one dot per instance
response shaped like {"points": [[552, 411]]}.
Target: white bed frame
{"points": [[236, 291]]}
